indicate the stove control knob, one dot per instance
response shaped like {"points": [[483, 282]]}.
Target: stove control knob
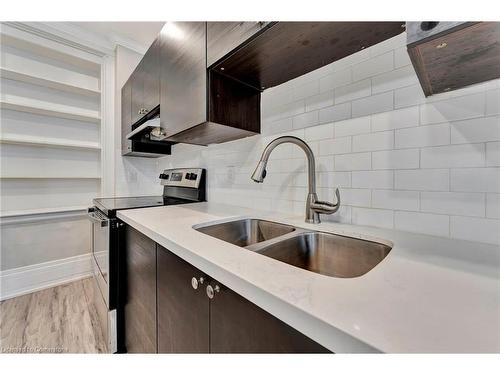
{"points": [[194, 176], [164, 176]]}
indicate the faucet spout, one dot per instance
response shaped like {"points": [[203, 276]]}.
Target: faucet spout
{"points": [[313, 206]]}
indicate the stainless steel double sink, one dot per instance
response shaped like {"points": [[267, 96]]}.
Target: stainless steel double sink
{"points": [[324, 253]]}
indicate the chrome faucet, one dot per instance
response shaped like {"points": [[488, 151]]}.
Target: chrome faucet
{"points": [[314, 207]]}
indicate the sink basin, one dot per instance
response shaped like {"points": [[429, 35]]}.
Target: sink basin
{"points": [[246, 232], [328, 254]]}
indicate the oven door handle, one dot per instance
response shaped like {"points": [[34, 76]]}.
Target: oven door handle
{"points": [[93, 217]]}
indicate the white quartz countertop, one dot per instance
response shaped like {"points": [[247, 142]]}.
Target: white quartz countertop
{"points": [[429, 294]]}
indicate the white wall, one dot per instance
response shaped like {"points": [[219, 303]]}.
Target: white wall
{"points": [[133, 175], [402, 161]]}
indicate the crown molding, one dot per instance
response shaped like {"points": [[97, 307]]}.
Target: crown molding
{"points": [[79, 37]]}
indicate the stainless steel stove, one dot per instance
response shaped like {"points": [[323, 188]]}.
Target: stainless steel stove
{"points": [[180, 186]]}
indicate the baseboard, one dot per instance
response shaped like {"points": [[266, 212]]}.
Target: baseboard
{"points": [[24, 280]]}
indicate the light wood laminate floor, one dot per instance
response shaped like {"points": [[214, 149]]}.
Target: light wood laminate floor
{"points": [[56, 320]]}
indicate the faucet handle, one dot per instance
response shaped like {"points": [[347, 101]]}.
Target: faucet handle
{"points": [[337, 195]]}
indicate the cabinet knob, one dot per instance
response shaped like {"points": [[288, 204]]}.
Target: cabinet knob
{"points": [[211, 290], [197, 282]]}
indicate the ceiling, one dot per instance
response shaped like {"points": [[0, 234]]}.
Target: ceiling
{"points": [[139, 33]]}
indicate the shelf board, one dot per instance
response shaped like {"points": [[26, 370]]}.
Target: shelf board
{"points": [[39, 107], [41, 211], [46, 82], [49, 142], [41, 177]]}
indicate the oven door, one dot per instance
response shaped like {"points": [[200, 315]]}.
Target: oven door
{"points": [[101, 226]]}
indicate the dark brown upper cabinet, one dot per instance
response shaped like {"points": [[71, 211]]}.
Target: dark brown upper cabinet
{"points": [[140, 102], [452, 55], [145, 83], [286, 50], [223, 37], [198, 107]]}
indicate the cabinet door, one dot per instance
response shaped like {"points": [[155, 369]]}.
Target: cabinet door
{"points": [[239, 326], [126, 116], [140, 300], [137, 92], [223, 37], [151, 76], [183, 76], [182, 310]]}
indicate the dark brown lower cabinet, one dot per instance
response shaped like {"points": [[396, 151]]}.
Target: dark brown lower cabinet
{"points": [[140, 300], [183, 312], [169, 312], [239, 326]]}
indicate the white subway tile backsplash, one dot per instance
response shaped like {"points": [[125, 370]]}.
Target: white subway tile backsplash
{"points": [[373, 179], [423, 136], [319, 101], [450, 203], [396, 159], [493, 206], [306, 90], [335, 113], [334, 179], [373, 141], [335, 79], [352, 127], [399, 158], [436, 225], [493, 154], [408, 96], [476, 180], [353, 162], [401, 57], [376, 65], [484, 129], [493, 102], [356, 197], [396, 199], [373, 104], [335, 146], [305, 120], [353, 91], [316, 133], [372, 217], [475, 229], [394, 79], [463, 107], [401, 118], [422, 179], [454, 156]]}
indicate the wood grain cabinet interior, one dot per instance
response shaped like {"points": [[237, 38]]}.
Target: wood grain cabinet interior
{"points": [[173, 307]]}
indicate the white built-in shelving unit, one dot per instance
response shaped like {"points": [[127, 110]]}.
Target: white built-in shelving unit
{"points": [[51, 135]]}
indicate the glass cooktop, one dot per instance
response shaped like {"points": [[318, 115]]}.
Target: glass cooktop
{"points": [[109, 206]]}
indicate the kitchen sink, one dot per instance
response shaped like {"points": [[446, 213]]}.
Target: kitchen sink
{"points": [[328, 254], [246, 232], [324, 253]]}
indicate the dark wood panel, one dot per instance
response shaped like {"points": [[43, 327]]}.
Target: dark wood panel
{"points": [[183, 312], [137, 85], [233, 103], [461, 57], [151, 76], [239, 326], [223, 37], [126, 107], [287, 50], [140, 301]]}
